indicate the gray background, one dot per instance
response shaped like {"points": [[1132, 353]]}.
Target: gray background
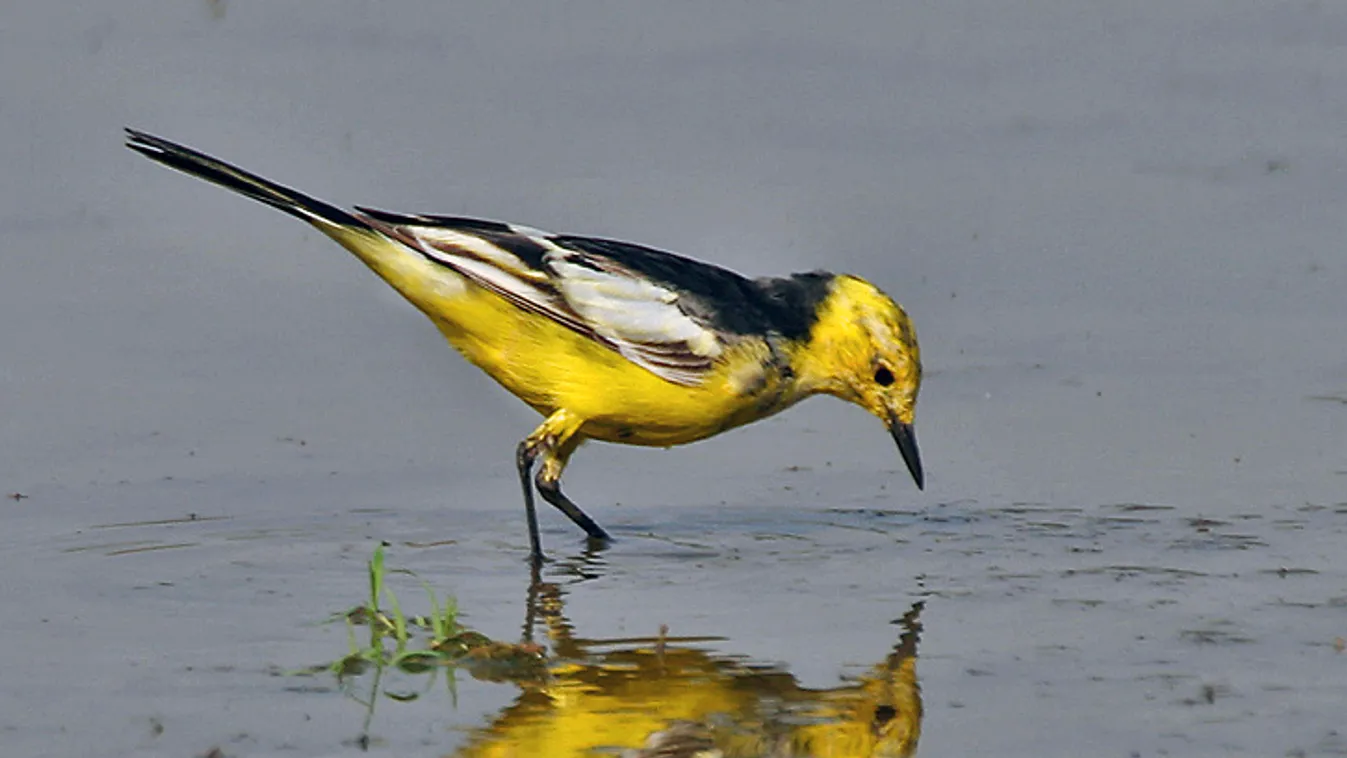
{"points": [[1119, 228]]}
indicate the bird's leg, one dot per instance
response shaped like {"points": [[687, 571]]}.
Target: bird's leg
{"points": [[554, 441], [524, 456], [549, 486]]}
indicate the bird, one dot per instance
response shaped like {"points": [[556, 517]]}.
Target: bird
{"points": [[614, 341]]}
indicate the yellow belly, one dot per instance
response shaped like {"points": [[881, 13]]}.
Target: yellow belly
{"points": [[552, 367]]}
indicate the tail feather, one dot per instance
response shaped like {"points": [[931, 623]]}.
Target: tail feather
{"points": [[199, 164]]}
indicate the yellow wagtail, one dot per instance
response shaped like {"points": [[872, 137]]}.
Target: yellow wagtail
{"points": [[614, 341]]}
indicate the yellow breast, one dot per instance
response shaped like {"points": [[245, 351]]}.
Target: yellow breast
{"points": [[551, 367]]}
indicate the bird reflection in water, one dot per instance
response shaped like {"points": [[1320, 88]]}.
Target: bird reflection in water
{"points": [[665, 697]]}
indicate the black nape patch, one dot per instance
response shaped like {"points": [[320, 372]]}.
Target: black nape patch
{"points": [[796, 300]]}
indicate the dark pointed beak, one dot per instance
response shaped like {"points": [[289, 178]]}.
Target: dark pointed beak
{"points": [[907, 445]]}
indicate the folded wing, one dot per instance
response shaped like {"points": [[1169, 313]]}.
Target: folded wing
{"points": [[585, 285]]}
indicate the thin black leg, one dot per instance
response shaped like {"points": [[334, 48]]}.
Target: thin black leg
{"points": [[524, 456], [550, 489]]}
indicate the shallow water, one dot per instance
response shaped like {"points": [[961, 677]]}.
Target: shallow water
{"points": [[1130, 627], [1118, 229]]}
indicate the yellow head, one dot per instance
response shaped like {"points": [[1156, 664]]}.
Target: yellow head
{"points": [[863, 349]]}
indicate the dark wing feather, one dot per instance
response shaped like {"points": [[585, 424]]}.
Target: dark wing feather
{"points": [[671, 315]]}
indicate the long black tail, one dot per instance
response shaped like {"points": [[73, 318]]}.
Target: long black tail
{"points": [[198, 164]]}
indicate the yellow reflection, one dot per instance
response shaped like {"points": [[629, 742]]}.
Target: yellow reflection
{"points": [[661, 697]]}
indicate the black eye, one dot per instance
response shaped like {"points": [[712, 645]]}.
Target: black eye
{"points": [[883, 376]]}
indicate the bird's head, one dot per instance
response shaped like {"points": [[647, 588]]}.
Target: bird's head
{"points": [[863, 349]]}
